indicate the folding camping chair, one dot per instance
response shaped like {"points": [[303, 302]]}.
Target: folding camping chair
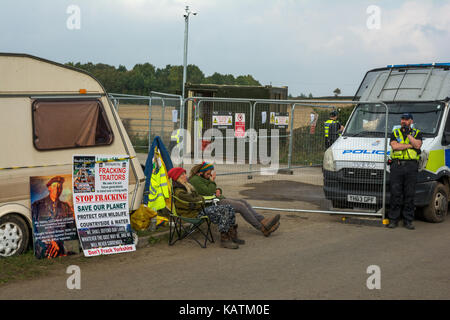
{"points": [[182, 227]]}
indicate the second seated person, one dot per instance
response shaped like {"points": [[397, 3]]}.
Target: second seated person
{"points": [[202, 177]]}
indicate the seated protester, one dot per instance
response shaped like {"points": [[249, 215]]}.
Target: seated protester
{"points": [[202, 177], [222, 215]]}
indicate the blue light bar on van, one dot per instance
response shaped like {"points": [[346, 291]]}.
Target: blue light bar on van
{"points": [[419, 65]]}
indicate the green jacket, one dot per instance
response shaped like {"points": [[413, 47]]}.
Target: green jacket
{"points": [[187, 204], [204, 187]]}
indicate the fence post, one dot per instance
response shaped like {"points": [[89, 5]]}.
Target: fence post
{"points": [[183, 137], [250, 147], [291, 135], [385, 161], [149, 122], [163, 107]]}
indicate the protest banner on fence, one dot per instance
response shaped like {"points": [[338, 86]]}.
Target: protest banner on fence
{"points": [[52, 215], [100, 187]]}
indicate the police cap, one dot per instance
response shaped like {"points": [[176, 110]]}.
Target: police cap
{"points": [[407, 116]]}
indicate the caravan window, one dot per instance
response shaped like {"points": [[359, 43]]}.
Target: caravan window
{"points": [[70, 124]]}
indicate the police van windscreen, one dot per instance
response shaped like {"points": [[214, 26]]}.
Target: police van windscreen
{"points": [[369, 120]]}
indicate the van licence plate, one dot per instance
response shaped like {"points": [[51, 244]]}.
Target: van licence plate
{"points": [[361, 199]]}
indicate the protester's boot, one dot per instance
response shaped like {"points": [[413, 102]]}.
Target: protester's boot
{"points": [[226, 242], [234, 235], [269, 225], [267, 233]]}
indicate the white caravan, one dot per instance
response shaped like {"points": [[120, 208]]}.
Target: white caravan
{"points": [[48, 112]]}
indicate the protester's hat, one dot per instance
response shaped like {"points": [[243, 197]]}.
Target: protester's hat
{"points": [[57, 179], [206, 166], [407, 116], [175, 173]]}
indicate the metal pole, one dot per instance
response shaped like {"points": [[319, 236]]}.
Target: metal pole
{"points": [[250, 147], [163, 110], [343, 213], [183, 136], [385, 162], [149, 123], [291, 137], [198, 132], [186, 31]]}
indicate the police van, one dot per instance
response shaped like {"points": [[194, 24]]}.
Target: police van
{"points": [[353, 167]]}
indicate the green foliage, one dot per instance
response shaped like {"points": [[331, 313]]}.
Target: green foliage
{"points": [[146, 77]]}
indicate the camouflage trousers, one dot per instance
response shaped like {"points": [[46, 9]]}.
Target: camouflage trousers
{"points": [[222, 215]]}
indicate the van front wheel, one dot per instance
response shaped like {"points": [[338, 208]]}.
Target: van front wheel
{"points": [[436, 211], [14, 235]]}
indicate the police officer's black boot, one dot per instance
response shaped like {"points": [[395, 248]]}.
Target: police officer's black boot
{"points": [[408, 225], [392, 224]]}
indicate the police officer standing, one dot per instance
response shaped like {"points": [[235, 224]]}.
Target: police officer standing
{"points": [[405, 154], [333, 129]]}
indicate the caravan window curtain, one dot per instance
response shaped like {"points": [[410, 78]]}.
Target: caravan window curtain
{"points": [[70, 124]]}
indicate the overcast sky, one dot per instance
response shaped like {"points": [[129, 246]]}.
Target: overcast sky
{"points": [[309, 46]]}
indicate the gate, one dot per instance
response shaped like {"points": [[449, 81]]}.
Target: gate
{"points": [[281, 138], [287, 137]]}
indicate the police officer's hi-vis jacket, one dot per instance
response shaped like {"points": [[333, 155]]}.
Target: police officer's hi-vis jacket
{"points": [[327, 127], [407, 154]]}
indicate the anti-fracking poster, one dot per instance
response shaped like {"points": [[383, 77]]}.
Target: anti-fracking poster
{"points": [[52, 214], [101, 204]]}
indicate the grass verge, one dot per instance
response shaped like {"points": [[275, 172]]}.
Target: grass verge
{"points": [[27, 266]]}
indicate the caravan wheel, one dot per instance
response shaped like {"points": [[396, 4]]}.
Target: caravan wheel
{"points": [[14, 236]]}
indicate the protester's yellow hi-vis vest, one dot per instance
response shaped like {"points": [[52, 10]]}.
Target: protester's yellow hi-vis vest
{"points": [[159, 188], [408, 154], [327, 127]]}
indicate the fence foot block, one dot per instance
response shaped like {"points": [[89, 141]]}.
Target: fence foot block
{"points": [[374, 222], [285, 171]]}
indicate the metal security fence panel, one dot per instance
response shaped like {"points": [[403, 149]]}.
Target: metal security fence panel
{"points": [[145, 117], [272, 124], [350, 169], [354, 166], [166, 117], [308, 139], [283, 139], [134, 113], [217, 132]]}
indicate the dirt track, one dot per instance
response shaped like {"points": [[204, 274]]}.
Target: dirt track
{"points": [[311, 256]]}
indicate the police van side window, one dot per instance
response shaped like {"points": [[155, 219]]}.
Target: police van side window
{"points": [[66, 124]]}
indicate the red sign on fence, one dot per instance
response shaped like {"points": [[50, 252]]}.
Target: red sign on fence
{"points": [[239, 125]]}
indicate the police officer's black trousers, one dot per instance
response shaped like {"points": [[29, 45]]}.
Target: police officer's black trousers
{"points": [[403, 180]]}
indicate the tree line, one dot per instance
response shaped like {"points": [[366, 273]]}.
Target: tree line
{"points": [[146, 77]]}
